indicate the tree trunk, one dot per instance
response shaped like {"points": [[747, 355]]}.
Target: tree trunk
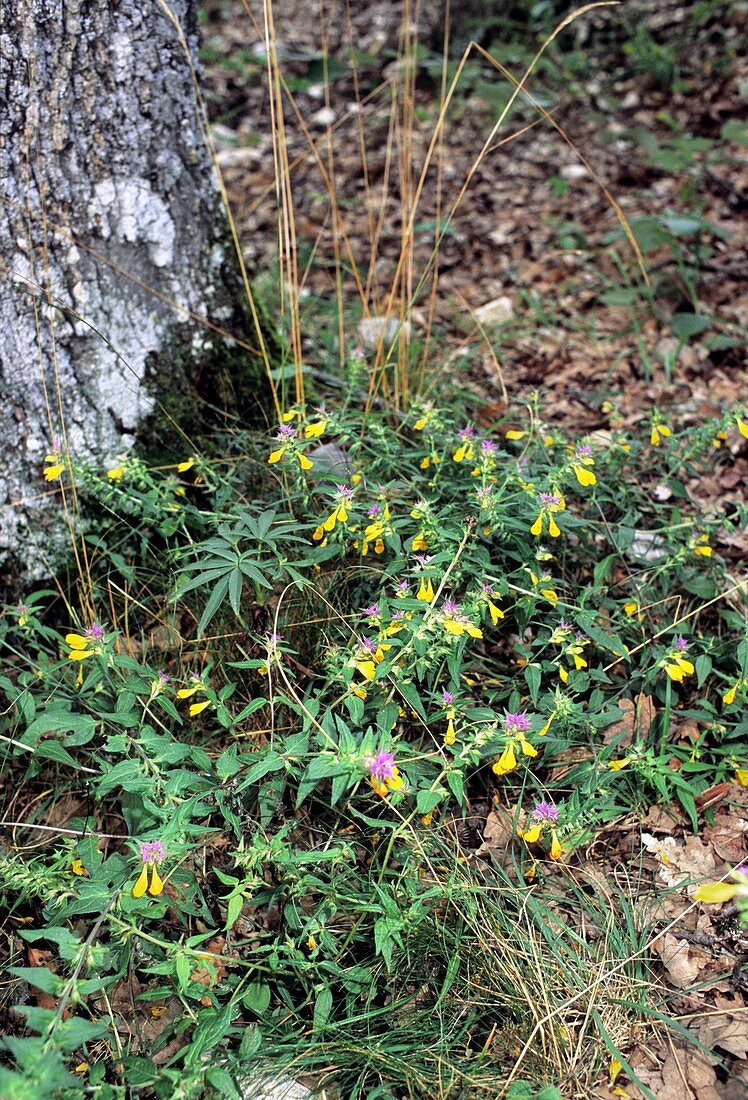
{"points": [[113, 244]]}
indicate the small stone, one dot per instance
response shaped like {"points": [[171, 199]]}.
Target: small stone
{"points": [[324, 117], [496, 312], [573, 172], [272, 1088], [373, 331]]}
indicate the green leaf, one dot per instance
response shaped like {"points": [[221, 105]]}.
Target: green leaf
{"points": [[257, 998], [322, 1007], [429, 800], [533, 677], [703, 666], [212, 1026], [684, 325], [214, 603], [236, 581]]}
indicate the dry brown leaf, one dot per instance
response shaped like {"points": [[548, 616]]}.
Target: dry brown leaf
{"points": [[681, 959], [498, 832], [727, 1032]]}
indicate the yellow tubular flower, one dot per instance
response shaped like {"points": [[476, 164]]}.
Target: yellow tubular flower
{"points": [[742, 427], [141, 885], [80, 647], [715, 893], [678, 667], [53, 471], [419, 542], [117, 473], [526, 747], [495, 612], [741, 776], [183, 467], [532, 835], [553, 528], [425, 591], [198, 708], [584, 477], [507, 762], [556, 849], [449, 736], [729, 696], [315, 430], [304, 462], [276, 456], [537, 527], [659, 432], [514, 434]]}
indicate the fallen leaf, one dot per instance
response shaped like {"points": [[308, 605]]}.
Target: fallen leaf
{"points": [[682, 961]]}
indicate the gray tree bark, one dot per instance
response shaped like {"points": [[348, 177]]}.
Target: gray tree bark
{"points": [[112, 239]]}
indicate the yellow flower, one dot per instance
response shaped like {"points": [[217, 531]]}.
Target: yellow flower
{"points": [[450, 736], [188, 463], [198, 708], [465, 450], [276, 456], [421, 423], [507, 762], [53, 466], [514, 434], [729, 696], [701, 547], [425, 591], [556, 849], [419, 542], [304, 462], [532, 835], [584, 477], [78, 868], [617, 765], [631, 608], [392, 783], [456, 626], [315, 429], [187, 693], [425, 463], [80, 647], [659, 432], [741, 776], [117, 473], [151, 852], [495, 612], [547, 726], [677, 667], [715, 893], [742, 427], [719, 439]]}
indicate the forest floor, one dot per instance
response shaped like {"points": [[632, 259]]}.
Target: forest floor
{"points": [[536, 239]]}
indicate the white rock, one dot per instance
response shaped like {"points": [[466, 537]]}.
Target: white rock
{"points": [[373, 331], [324, 117], [573, 172], [496, 312], [647, 547], [278, 1088]]}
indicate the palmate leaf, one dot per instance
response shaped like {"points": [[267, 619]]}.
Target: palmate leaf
{"points": [[217, 597]]}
